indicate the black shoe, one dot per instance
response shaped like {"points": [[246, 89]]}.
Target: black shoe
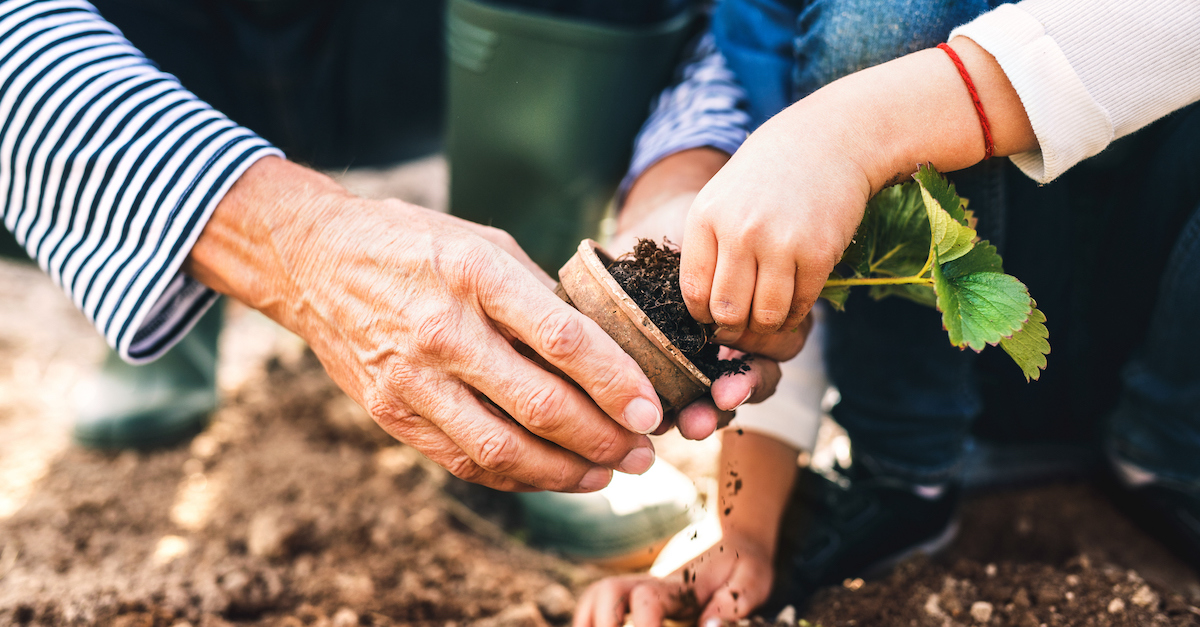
{"points": [[852, 524], [1169, 513]]}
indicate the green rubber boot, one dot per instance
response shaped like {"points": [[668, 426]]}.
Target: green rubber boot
{"points": [[623, 526], [157, 405], [9, 248], [542, 116], [152, 406]]}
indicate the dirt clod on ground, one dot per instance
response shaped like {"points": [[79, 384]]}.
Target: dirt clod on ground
{"points": [[279, 514], [294, 509], [650, 275]]}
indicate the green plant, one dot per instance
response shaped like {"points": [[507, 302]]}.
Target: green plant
{"points": [[917, 241]]}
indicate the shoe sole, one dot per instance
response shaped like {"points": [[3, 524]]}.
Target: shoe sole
{"points": [[161, 439]]}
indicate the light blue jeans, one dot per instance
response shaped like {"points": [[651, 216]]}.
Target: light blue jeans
{"points": [[1111, 251]]}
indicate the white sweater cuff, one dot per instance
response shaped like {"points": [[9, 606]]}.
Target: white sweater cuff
{"points": [[1069, 124], [793, 414]]}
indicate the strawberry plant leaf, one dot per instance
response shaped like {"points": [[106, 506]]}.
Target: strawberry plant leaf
{"points": [[979, 304], [942, 190], [894, 235], [1029, 346], [918, 241], [951, 238], [981, 258]]}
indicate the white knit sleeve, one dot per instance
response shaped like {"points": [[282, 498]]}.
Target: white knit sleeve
{"points": [[793, 414], [1091, 71]]}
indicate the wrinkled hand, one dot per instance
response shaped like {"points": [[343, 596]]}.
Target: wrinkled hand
{"points": [[728, 581], [417, 316]]}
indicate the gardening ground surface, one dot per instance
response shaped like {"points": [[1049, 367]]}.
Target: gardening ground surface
{"points": [[294, 509]]}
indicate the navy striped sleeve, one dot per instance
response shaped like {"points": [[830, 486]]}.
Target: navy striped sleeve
{"points": [[109, 170], [705, 107]]}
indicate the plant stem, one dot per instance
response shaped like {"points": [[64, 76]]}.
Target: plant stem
{"points": [[908, 280], [875, 266]]}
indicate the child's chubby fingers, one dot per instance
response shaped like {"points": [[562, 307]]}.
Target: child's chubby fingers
{"points": [[650, 602], [607, 602], [705, 415], [773, 295], [747, 588], [701, 418], [697, 266], [733, 284], [778, 346], [604, 603]]}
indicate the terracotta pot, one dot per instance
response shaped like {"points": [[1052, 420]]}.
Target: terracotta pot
{"points": [[586, 285]]}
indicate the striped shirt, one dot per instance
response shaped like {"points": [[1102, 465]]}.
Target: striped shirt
{"points": [[110, 169], [704, 107]]}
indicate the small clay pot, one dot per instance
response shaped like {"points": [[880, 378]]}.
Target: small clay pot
{"points": [[586, 284]]}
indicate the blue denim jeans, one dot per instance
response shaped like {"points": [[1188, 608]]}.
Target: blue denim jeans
{"points": [[1111, 250]]}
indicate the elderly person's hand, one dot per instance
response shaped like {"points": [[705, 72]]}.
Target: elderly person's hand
{"points": [[656, 207], [422, 318]]}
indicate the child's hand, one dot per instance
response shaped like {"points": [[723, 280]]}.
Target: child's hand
{"points": [[656, 208], [726, 582], [765, 232]]}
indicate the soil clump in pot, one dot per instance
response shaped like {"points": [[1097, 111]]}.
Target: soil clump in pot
{"points": [[650, 275]]}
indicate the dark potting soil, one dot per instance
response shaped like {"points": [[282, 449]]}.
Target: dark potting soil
{"points": [[650, 275]]}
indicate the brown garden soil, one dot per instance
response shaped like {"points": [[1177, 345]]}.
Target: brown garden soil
{"points": [[293, 508]]}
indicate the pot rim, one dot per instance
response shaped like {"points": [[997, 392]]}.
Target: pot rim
{"points": [[590, 252]]}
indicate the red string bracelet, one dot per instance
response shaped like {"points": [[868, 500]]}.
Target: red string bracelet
{"points": [[989, 147]]}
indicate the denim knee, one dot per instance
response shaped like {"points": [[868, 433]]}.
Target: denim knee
{"points": [[1156, 425], [838, 37]]}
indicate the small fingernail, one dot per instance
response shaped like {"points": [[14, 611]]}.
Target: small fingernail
{"points": [[638, 460], [725, 335], [642, 416], [595, 479], [743, 401], [713, 622]]}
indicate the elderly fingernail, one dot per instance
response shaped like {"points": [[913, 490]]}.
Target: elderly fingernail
{"points": [[595, 479], [638, 460], [642, 416]]}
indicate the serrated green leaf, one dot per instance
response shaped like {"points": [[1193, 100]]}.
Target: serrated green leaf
{"points": [[982, 258], [1030, 345], [979, 308], [942, 191], [921, 227], [951, 239], [893, 238]]}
